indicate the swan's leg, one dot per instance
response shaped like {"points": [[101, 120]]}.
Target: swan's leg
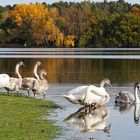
{"points": [[44, 95], [28, 92], [34, 95], [17, 92], [8, 92]]}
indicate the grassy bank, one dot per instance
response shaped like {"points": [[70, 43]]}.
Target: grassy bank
{"points": [[22, 118]]}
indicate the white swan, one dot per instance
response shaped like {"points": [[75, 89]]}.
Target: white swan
{"points": [[93, 121], [4, 80], [126, 97], [87, 95], [27, 82], [40, 86], [15, 83]]}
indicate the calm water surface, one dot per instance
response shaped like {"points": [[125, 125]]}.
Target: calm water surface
{"points": [[67, 73]]}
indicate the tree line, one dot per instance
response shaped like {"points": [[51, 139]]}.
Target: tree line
{"points": [[68, 24]]}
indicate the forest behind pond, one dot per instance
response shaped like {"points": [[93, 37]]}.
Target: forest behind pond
{"points": [[67, 24]]}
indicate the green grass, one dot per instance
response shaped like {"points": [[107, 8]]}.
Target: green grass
{"points": [[21, 118]]}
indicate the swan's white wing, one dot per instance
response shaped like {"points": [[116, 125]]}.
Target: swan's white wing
{"points": [[99, 91], [78, 90], [12, 81], [71, 98], [92, 98], [77, 93], [4, 80]]}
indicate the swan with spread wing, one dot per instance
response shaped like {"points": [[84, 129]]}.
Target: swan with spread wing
{"points": [[88, 95]]}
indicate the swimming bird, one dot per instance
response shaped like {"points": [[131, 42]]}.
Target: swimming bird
{"points": [[40, 86], [93, 121], [88, 95], [27, 82], [15, 83], [4, 80], [126, 97]]}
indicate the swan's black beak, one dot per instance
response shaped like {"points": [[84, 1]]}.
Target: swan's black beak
{"points": [[46, 75], [110, 84], [41, 64]]}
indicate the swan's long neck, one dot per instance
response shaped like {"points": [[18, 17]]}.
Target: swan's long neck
{"points": [[17, 71], [102, 83], [35, 71], [42, 76], [137, 100]]}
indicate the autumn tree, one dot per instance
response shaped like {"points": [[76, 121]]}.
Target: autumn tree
{"points": [[70, 24], [35, 23], [135, 10], [4, 15]]}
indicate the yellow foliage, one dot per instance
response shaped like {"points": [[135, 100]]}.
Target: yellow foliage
{"points": [[40, 22], [69, 41], [4, 16], [24, 13]]}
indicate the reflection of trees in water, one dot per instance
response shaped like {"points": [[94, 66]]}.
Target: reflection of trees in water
{"points": [[90, 119], [79, 70]]}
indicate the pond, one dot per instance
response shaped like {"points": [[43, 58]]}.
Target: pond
{"points": [[67, 71]]}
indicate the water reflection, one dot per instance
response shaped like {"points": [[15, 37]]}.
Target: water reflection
{"points": [[90, 120], [78, 70], [136, 113], [124, 108], [74, 71]]}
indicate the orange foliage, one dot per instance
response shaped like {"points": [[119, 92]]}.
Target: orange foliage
{"points": [[135, 10], [39, 21], [69, 41]]}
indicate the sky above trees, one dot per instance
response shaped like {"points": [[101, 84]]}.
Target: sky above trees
{"points": [[12, 2]]}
